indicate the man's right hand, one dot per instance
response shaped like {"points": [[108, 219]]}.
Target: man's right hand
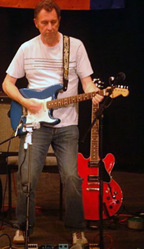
{"points": [[32, 105]]}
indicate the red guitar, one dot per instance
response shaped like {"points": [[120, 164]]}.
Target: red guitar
{"points": [[89, 170]]}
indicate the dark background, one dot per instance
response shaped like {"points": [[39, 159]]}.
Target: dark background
{"points": [[114, 41]]}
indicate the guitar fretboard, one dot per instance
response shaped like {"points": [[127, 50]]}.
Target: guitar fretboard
{"points": [[94, 146], [73, 99]]}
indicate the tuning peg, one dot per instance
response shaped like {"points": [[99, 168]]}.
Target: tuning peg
{"points": [[96, 80]]}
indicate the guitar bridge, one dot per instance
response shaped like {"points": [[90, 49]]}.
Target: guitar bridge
{"points": [[92, 189]]}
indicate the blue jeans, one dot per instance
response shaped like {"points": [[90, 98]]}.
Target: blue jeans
{"points": [[65, 145]]}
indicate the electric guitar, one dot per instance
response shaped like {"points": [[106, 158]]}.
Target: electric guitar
{"points": [[89, 170], [47, 97]]}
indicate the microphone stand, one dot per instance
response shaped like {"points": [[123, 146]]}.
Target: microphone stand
{"points": [[15, 132], [28, 147], [29, 127], [99, 115], [28, 143], [8, 139], [102, 174]]}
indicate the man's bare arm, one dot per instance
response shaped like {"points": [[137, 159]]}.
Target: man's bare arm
{"points": [[12, 91]]}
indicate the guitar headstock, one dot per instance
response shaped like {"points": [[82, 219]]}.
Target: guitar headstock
{"points": [[98, 83], [113, 91], [117, 91]]}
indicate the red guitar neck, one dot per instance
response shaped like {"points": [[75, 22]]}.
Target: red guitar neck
{"points": [[94, 146]]}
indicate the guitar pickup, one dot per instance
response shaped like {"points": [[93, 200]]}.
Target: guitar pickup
{"points": [[93, 164], [93, 183], [93, 178]]}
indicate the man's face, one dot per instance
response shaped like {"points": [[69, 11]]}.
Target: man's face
{"points": [[48, 25]]}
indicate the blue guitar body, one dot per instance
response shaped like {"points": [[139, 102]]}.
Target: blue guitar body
{"points": [[16, 110]]}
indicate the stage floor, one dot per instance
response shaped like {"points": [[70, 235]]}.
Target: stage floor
{"points": [[50, 229]]}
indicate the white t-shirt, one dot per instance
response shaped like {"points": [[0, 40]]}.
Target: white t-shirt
{"points": [[43, 67]]}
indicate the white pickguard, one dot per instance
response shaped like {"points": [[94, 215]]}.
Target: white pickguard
{"points": [[42, 115]]}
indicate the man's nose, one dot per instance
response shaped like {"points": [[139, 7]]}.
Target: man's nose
{"points": [[49, 26]]}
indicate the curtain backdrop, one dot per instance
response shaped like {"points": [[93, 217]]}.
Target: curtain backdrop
{"points": [[70, 4], [67, 5], [114, 40]]}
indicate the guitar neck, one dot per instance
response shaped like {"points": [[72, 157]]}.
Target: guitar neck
{"points": [[113, 93], [73, 99], [94, 145]]}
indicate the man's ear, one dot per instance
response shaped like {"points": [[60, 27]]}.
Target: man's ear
{"points": [[59, 20], [35, 22]]}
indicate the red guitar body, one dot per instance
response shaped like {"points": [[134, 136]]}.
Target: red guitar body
{"points": [[112, 194]]}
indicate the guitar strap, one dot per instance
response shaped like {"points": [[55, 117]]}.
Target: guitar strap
{"points": [[66, 53]]}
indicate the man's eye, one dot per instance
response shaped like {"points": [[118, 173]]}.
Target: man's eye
{"points": [[53, 22], [45, 23]]}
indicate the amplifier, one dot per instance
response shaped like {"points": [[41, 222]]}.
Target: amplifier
{"points": [[6, 131]]}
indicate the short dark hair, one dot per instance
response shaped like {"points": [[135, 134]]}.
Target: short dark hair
{"points": [[47, 5]]}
